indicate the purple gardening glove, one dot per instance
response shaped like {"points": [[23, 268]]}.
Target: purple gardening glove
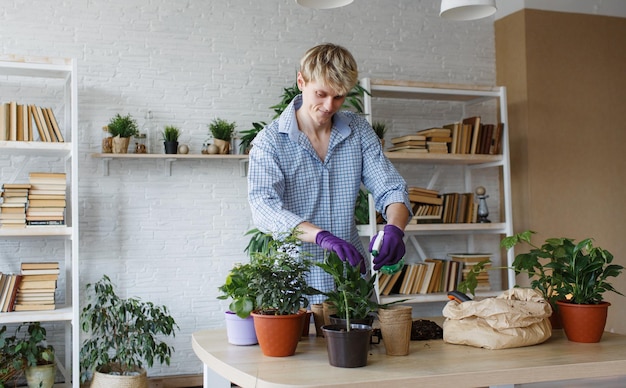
{"points": [[342, 248], [392, 248]]}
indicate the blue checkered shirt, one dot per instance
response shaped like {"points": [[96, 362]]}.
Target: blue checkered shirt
{"points": [[288, 183]]}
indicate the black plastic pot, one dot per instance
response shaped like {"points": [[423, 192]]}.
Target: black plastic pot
{"points": [[171, 147], [347, 349]]}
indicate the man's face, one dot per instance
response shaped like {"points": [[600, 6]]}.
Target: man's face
{"points": [[319, 101]]}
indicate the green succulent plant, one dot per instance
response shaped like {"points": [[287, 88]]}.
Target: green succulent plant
{"points": [[222, 129]]}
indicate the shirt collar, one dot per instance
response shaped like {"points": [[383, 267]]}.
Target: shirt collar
{"points": [[288, 124]]}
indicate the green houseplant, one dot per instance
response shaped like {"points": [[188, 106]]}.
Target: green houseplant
{"points": [[124, 334], [566, 273], [27, 352], [122, 128], [281, 291], [381, 129], [222, 132], [170, 137]]}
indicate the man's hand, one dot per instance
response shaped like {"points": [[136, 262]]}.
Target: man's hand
{"points": [[392, 248], [342, 248]]}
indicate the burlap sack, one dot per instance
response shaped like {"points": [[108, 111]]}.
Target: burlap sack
{"points": [[518, 317]]}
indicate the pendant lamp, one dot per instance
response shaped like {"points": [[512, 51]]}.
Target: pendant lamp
{"points": [[323, 4], [467, 9]]}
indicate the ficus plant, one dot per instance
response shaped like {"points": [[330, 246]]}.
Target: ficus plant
{"points": [[26, 348], [123, 333]]}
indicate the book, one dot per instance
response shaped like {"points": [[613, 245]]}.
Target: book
{"points": [[4, 281], [15, 285], [435, 132], [39, 265], [40, 277], [474, 131], [41, 271], [44, 125], [3, 122], [55, 125], [46, 117], [47, 203], [39, 285], [34, 307], [392, 281], [12, 121], [413, 137], [413, 149]]}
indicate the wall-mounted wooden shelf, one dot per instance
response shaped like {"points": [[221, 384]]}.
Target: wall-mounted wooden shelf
{"points": [[170, 158]]}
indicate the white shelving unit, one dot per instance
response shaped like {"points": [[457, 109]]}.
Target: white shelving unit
{"points": [[60, 74], [461, 97]]}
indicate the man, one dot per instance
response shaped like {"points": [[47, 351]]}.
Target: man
{"points": [[307, 167]]}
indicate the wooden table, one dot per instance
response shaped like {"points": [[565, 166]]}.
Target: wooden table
{"points": [[429, 364]]}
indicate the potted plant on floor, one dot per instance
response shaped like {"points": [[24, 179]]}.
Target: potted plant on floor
{"points": [[348, 337], [123, 335], [122, 128], [281, 291], [170, 139], [26, 351], [222, 132]]}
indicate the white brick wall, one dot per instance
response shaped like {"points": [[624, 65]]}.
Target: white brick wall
{"points": [[171, 239]]}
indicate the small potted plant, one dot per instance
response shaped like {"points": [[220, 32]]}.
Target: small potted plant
{"points": [[170, 139], [281, 293], [239, 322], [123, 334], [222, 132], [122, 128], [26, 351], [348, 336]]}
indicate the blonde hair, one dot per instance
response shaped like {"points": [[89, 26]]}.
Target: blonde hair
{"points": [[331, 65]]}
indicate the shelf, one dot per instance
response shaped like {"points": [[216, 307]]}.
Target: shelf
{"points": [[37, 231], [170, 158], [415, 90], [426, 157], [59, 314], [35, 148], [435, 297]]}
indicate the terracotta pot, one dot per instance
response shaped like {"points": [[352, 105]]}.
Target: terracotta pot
{"points": [[347, 349], [583, 322], [240, 331], [278, 335], [120, 145]]}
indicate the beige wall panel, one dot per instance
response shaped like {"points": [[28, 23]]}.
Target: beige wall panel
{"points": [[573, 128]]}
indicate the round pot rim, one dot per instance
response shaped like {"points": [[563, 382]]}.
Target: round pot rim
{"points": [[583, 305]]}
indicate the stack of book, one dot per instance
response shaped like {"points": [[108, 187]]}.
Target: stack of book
{"points": [[9, 284], [13, 207], [468, 260], [470, 136], [37, 287], [427, 205], [409, 143], [46, 199], [437, 139]]}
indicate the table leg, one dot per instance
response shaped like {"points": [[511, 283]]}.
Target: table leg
{"points": [[212, 379]]}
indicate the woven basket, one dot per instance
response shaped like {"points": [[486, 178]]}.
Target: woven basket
{"points": [[103, 380]]}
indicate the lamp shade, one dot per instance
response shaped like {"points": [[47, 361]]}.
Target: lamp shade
{"points": [[467, 9], [323, 4]]}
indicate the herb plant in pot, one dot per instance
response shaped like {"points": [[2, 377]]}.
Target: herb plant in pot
{"points": [[281, 291], [348, 337], [123, 334], [122, 128], [170, 139], [222, 132], [26, 351]]}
